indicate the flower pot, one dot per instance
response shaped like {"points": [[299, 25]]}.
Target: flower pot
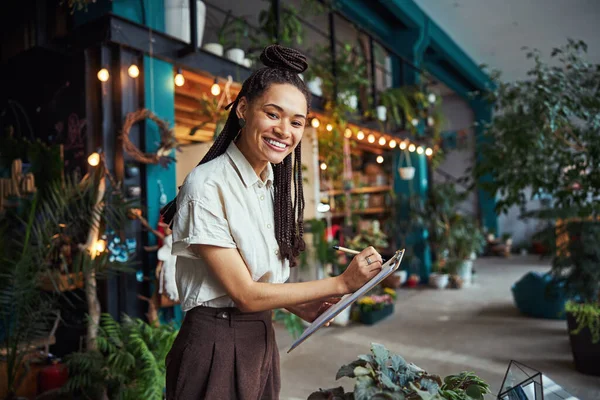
{"points": [[343, 318], [247, 63], [413, 281], [372, 317], [381, 113], [465, 272], [315, 86], [585, 353], [177, 19], [235, 55], [406, 173], [214, 48], [439, 281]]}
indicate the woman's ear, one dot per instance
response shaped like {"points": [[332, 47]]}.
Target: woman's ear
{"points": [[241, 108]]}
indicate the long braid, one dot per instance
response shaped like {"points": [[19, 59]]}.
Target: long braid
{"points": [[282, 66]]}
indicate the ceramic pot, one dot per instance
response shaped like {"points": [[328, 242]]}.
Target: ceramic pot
{"points": [[439, 281], [235, 55], [315, 86], [381, 113], [406, 173], [177, 19], [214, 48]]}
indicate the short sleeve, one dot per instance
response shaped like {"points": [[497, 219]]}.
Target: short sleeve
{"points": [[200, 222]]}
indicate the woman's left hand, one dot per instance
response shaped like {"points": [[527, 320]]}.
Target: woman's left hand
{"points": [[311, 311]]}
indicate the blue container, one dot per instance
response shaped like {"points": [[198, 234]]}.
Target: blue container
{"points": [[539, 295], [372, 317]]}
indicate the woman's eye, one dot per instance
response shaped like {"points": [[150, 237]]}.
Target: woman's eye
{"points": [[271, 115], [297, 124]]}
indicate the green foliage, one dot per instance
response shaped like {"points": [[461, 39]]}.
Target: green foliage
{"points": [[292, 322], [382, 375], [586, 316], [232, 31], [129, 362]]}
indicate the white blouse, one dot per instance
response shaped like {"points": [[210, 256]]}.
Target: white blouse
{"points": [[224, 203]]}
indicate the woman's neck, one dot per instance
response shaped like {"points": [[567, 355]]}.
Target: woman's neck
{"points": [[259, 166]]}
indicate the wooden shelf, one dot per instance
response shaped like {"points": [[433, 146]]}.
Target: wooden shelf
{"points": [[362, 190], [365, 211]]}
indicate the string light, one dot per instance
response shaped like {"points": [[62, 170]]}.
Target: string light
{"points": [[94, 159], [133, 71], [412, 147], [430, 121], [103, 75], [329, 127], [392, 144], [323, 166], [371, 138], [428, 152], [179, 79], [315, 123], [415, 122], [348, 133], [100, 246], [215, 89], [360, 135], [382, 141], [379, 159], [420, 150], [402, 145], [431, 98]]}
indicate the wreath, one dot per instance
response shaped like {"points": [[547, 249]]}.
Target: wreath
{"points": [[167, 139]]}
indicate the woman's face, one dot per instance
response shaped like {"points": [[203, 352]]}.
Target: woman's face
{"points": [[274, 124]]}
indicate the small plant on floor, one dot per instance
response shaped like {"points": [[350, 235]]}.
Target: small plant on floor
{"points": [[382, 375], [291, 322], [587, 316]]}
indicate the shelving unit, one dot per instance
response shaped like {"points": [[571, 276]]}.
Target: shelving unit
{"points": [[361, 190], [366, 211]]}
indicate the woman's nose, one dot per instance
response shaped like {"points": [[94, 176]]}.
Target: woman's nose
{"points": [[283, 129]]}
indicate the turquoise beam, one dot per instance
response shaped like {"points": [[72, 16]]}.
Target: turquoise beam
{"points": [[151, 15]]}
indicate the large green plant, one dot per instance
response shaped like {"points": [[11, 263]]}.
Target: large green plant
{"points": [[545, 140], [129, 362], [382, 375]]}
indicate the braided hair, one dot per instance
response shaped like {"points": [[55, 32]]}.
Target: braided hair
{"points": [[282, 65]]}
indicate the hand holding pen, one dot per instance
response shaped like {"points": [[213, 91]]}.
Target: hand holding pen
{"points": [[363, 267]]}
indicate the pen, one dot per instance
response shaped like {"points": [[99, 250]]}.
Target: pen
{"points": [[350, 251]]}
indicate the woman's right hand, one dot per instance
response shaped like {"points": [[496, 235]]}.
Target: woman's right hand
{"points": [[361, 270]]}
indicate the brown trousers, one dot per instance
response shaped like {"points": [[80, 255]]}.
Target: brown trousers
{"points": [[222, 353]]}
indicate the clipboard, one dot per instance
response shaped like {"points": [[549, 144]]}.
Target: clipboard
{"points": [[386, 270]]}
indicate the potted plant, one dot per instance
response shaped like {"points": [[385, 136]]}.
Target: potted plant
{"points": [[440, 277], [177, 19], [406, 172], [375, 307], [545, 142], [463, 238], [383, 375]]}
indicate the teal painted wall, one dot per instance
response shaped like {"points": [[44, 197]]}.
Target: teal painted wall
{"points": [[154, 11]]}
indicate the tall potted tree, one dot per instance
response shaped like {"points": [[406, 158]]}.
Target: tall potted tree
{"points": [[546, 141]]}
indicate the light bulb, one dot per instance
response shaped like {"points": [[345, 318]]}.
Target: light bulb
{"points": [[382, 141], [215, 89], [412, 147], [428, 152], [323, 166], [431, 98], [315, 123], [94, 159], [179, 79], [323, 208], [103, 75], [360, 135], [371, 138], [415, 122], [402, 145], [430, 121], [100, 246], [392, 144], [420, 150], [348, 133], [133, 71], [379, 159], [329, 127]]}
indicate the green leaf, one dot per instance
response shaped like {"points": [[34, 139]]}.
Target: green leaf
{"points": [[348, 369], [380, 353], [475, 392], [387, 382], [360, 371]]}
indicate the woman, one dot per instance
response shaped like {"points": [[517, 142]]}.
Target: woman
{"points": [[236, 233]]}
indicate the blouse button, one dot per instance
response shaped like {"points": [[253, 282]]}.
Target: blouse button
{"points": [[268, 226], [276, 252], [262, 197]]}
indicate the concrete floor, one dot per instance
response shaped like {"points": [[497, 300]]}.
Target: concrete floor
{"points": [[445, 332]]}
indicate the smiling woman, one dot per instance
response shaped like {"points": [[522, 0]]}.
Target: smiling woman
{"points": [[237, 232]]}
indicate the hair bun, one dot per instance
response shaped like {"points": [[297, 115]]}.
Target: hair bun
{"points": [[276, 56]]}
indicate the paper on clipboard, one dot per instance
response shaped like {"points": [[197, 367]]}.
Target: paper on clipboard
{"points": [[386, 270]]}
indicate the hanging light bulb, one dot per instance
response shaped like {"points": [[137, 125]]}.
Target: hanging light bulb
{"points": [[215, 89], [315, 122], [329, 127], [402, 145], [411, 147], [392, 144], [431, 98], [360, 135], [133, 71], [179, 79], [420, 150], [428, 152], [382, 141], [103, 75], [323, 166], [100, 246], [430, 121], [94, 159], [348, 133], [379, 159], [371, 138], [415, 122]]}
